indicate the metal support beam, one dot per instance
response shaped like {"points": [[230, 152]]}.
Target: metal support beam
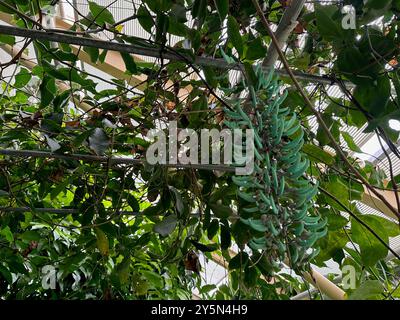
{"points": [[150, 51], [65, 211], [306, 294], [286, 25], [112, 160]]}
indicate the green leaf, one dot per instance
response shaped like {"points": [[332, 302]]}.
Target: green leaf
{"points": [[222, 7], [59, 188], [100, 14], [61, 100], [198, 105], [177, 28], [374, 40], [370, 289], [48, 90], [207, 288], [210, 76], [376, 4], [102, 242], [6, 232], [250, 74], [225, 237], [374, 97], [93, 53], [153, 278], [102, 56], [122, 270], [251, 275], [37, 71], [68, 74], [162, 23], [6, 274], [318, 154], [234, 35], [333, 126], [199, 10], [336, 222], [22, 2], [329, 28], [5, 9], [145, 18], [255, 49], [392, 229], [204, 247], [133, 203], [356, 66], [153, 210], [159, 5], [21, 98], [212, 229], [239, 261], [178, 13], [330, 245], [10, 40], [30, 236], [77, 142], [221, 211], [166, 226], [372, 250], [17, 266], [180, 206], [302, 62], [129, 63], [350, 142], [338, 189]]}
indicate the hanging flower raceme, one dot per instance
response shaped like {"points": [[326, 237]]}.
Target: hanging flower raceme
{"points": [[275, 201]]}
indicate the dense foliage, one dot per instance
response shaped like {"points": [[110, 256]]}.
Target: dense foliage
{"points": [[126, 231]]}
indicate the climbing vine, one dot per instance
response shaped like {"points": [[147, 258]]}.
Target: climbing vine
{"points": [[277, 195], [78, 197]]}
